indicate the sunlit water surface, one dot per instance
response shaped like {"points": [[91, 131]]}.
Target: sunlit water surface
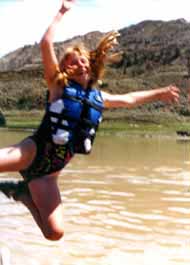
{"points": [[128, 203]]}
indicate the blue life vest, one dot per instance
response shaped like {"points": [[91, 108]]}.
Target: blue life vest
{"points": [[75, 117]]}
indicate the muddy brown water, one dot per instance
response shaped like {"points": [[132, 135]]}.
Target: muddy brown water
{"points": [[126, 203]]}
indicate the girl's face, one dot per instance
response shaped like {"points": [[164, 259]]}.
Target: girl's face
{"points": [[78, 68]]}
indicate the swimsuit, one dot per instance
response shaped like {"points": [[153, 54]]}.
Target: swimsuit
{"points": [[69, 126], [49, 158]]}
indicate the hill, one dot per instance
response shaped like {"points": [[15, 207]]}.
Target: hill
{"points": [[154, 53]]}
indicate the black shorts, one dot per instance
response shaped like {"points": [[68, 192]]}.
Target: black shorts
{"points": [[49, 158]]}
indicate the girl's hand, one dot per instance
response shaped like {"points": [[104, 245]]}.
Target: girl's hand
{"points": [[169, 94], [66, 5]]}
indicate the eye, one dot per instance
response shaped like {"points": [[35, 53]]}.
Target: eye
{"points": [[84, 60], [72, 62]]}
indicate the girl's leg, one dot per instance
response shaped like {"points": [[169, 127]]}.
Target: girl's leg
{"points": [[17, 157], [44, 202], [43, 199], [25, 197]]}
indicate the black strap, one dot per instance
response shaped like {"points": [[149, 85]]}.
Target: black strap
{"points": [[64, 116]]}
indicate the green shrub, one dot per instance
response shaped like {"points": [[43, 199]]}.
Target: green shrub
{"points": [[2, 120]]}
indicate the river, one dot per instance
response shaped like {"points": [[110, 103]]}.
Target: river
{"points": [[126, 203]]}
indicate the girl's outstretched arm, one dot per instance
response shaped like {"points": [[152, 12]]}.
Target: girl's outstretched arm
{"points": [[169, 94], [49, 59]]}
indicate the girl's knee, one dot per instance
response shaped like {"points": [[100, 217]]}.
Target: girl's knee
{"points": [[54, 234]]}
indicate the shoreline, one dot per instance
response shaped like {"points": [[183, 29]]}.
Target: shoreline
{"points": [[138, 124], [109, 129]]}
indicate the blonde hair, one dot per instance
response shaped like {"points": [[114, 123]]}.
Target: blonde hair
{"points": [[97, 59]]}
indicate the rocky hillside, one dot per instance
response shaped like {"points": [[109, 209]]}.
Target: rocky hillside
{"points": [[149, 42], [154, 53], [28, 57]]}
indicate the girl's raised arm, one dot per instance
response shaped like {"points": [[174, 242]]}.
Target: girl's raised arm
{"points": [[49, 59]]}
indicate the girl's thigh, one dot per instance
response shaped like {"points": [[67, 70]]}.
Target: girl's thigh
{"points": [[47, 199], [18, 156]]}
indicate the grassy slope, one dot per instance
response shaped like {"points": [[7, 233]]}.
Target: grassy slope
{"points": [[22, 97]]}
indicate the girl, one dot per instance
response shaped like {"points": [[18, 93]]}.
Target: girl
{"points": [[73, 113]]}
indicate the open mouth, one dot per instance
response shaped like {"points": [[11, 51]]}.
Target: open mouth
{"points": [[78, 72], [81, 73]]}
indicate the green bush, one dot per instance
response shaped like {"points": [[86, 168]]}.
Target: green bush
{"points": [[2, 120]]}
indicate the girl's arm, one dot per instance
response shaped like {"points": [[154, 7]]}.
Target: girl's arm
{"points": [[169, 94], [49, 59]]}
